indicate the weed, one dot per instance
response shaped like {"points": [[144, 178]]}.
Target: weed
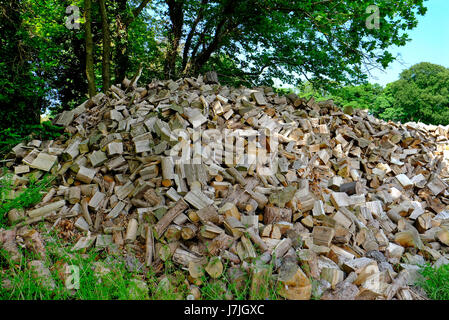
{"points": [[435, 282], [11, 137], [28, 196]]}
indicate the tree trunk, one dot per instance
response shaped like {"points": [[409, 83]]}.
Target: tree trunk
{"points": [[188, 43], [121, 42], [89, 49], [124, 19], [176, 14], [106, 62]]}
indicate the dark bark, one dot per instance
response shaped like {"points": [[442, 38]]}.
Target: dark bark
{"points": [[89, 49], [189, 38], [121, 55], [223, 28], [123, 22], [176, 13], [106, 61]]}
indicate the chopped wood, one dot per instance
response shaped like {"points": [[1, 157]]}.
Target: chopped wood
{"points": [[190, 170], [171, 214], [46, 209]]}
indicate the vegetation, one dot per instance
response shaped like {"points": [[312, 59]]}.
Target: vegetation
{"points": [[10, 137], [57, 53], [96, 280], [436, 282], [28, 197], [420, 94], [53, 59], [106, 277]]}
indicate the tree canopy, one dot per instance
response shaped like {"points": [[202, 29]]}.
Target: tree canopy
{"points": [[421, 94], [327, 43]]}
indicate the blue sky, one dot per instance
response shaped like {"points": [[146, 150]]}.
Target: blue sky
{"points": [[430, 43]]}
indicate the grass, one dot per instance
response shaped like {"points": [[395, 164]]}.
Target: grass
{"points": [[29, 196], [97, 280], [115, 282], [436, 282]]}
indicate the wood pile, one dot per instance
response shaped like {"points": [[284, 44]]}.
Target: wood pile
{"points": [[352, 208]]}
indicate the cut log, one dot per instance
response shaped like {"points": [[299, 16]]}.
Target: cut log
{"points": [[52, 207], [171, 214], [323, 236], [276, 214], [294, 283]]}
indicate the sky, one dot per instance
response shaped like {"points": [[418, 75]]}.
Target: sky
{"points": [[430, 43]]}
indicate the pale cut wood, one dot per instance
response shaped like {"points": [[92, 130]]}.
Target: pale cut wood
{"points": [[44, 162], [276, 214], [323, 236], [208, 214], [72, 150], [234, 226], [85, 175], [97, 158], [116, 210], [404, 181], [295, 284], [85, 211], [131, 231], [198, 199], [214, 268], [184, 257], [282, 247], [257, 239], [189, 231], [74, 195], [96, 200], [46, 209], [171, 214]]}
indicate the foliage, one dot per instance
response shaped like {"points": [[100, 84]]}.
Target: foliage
{"points": [[93, 284], [43, 64], [22, 92], [436, 281], [368, 96], [10, 137], [27, 197], [324, 42], [420, 94]]}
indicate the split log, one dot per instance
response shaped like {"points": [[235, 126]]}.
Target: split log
{"points": [[171, 214]]}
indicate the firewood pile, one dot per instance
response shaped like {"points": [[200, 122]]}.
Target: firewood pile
{"points": [[325, 202]]}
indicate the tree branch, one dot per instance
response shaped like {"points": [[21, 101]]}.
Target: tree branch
{"points": [[191, 34], [137, 11]]}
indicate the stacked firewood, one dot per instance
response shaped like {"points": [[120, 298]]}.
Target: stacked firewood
{"points": [[327, 202]]}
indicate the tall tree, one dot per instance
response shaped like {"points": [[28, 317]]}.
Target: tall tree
{"points": [[420, 94], [324, 42], [176, 13], [106, 61], [22, 93], [124, 18], [90, 73]]}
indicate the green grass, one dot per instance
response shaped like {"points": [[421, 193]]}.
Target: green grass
{"points": [[436, 282], [11, 137], [117, 282], [27, 197], [224, 288], [113, 283]]}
